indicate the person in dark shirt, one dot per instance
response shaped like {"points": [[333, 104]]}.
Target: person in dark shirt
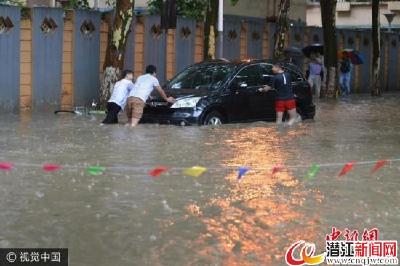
{"points": [[282, 83]]}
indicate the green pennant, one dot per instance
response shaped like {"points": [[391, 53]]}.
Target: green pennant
{"points": [[312, 172], [95, 170]]}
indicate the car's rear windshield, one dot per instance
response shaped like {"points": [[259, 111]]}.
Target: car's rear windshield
{"points": [[208, 76]]}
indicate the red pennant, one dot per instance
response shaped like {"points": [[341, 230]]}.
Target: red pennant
{"points": [[276, 169], [346, 168], [158, 171], [6, 166], [51, 167], [379, 165]]}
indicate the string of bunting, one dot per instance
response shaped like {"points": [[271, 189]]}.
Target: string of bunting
{"points": [[196, 171]]}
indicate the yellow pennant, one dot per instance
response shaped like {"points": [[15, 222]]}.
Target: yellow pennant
{"points": [[195, 171]]}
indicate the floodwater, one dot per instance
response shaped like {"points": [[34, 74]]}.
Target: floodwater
{"points": [[124, 217]]}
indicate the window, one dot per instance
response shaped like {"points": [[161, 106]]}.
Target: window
{"points": [[202, 77], [250, 75], [294, 75], [266, 74]]}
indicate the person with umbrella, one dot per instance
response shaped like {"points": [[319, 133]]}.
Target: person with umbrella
{"points": [[345, 76], [349, 58], [315, 74], [293, 55], [315, 67]]}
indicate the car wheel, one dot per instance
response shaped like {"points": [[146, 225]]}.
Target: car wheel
{"points": [[213, 119]]}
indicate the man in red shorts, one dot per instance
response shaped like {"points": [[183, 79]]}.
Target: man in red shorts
{"points": [[282, 83]]}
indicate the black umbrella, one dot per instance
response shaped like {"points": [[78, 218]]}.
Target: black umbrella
{"points": [[314, 48], [293, 51]]}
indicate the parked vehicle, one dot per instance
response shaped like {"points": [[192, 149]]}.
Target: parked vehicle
{"points": [[219, 91]]}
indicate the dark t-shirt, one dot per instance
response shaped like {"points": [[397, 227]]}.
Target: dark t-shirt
{"points": [[282, 83]]}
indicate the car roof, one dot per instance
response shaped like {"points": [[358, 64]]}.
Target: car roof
{"points": [[247, 62]]}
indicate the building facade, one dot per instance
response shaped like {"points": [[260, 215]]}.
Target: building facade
{"points": [[355, 14], [248, 8]]}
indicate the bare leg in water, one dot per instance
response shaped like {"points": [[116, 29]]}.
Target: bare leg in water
{"points": [[133, 122], [279, 117], [292, 116]]}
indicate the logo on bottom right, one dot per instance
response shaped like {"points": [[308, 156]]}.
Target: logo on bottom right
{"points": [[347, 247]]}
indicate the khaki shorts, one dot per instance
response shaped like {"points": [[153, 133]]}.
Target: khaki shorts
{"points": [[134, 107]]}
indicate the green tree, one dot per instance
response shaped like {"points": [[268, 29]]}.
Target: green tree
{"points": [[76, 4], [194, 9]]}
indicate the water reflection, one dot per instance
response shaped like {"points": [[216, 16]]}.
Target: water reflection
{"points": [[262, 213], [124, 217]]}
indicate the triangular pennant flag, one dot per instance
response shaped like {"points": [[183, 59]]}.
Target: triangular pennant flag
{"points": [[6, 166], [51, 167], [242, 171], [276, 169], [379, 165], [195, 171], [312, 172], [95, 170], [158, 171], [346, 168]]}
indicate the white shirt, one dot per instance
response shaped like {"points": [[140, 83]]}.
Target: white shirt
{"points": [[144, 86], [121, 91]]}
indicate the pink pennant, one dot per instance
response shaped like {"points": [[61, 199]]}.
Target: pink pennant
{"points": [[379, 165], [6, 166], [51, 167], [276, 169], [158, 171], [347, 168]]}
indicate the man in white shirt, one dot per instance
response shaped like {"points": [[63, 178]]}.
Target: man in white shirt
{"points": [[144, 86], [117, 101]]}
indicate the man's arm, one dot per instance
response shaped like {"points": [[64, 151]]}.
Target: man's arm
{"points": [[164, 96], [265, 88], [268, 87]]}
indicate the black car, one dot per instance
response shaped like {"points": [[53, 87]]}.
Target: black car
{"points": [[217, 92]]}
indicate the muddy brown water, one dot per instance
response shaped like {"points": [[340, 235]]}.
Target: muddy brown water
{"points": [[125, 217]]}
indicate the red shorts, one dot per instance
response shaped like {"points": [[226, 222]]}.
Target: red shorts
{"points": [[285, 105]]}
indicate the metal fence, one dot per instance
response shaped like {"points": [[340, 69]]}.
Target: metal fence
{"points": [[46, 60]]}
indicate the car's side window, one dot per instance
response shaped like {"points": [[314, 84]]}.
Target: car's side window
{"points": [[266, 74], [294, 75], [250, 75]]}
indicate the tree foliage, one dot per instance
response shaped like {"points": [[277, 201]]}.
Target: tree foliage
{"points": [[12, 2], [194, 9], [77, 4]]}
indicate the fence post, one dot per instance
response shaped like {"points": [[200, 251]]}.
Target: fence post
{"points": [[67, 92], [26, 63]]}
